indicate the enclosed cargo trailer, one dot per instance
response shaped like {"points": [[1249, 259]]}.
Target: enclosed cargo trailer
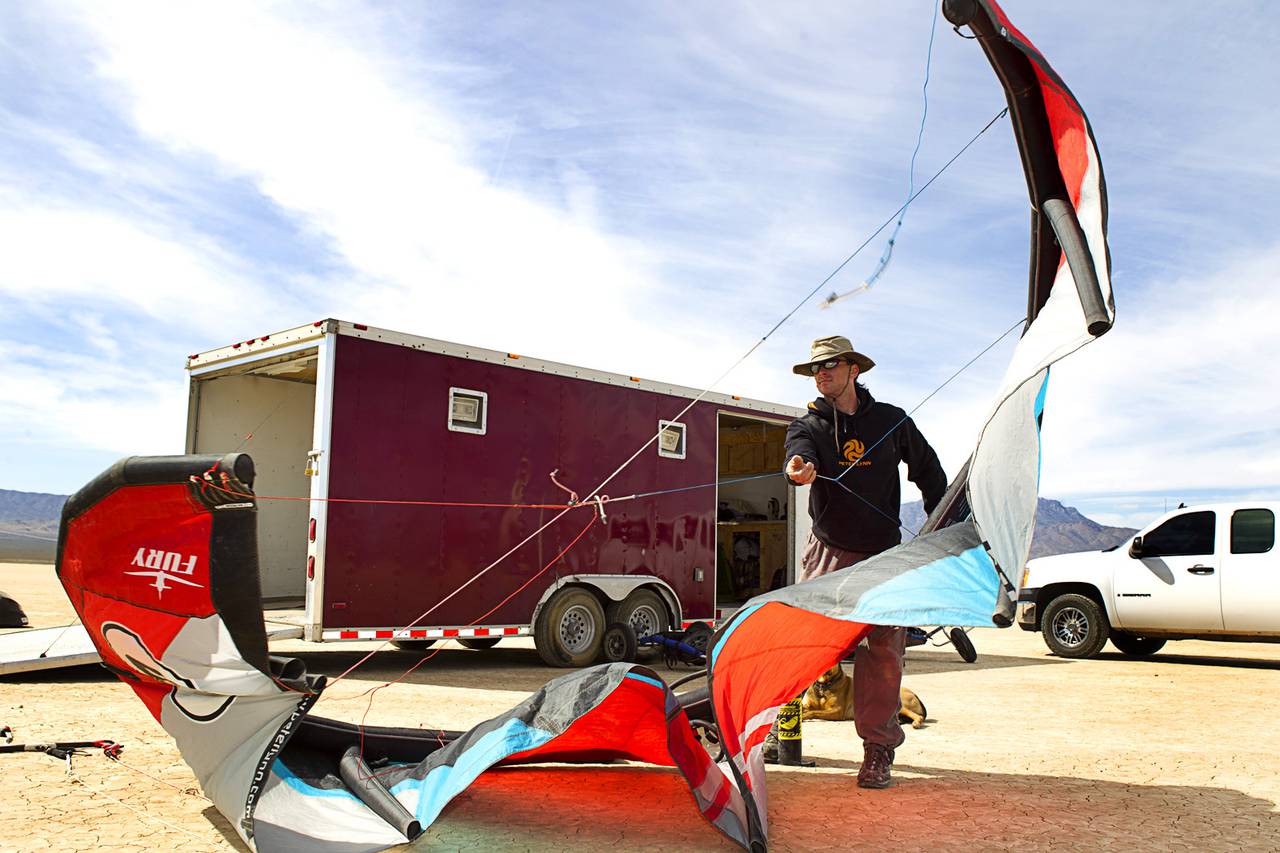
{"points": [[349, 426]]}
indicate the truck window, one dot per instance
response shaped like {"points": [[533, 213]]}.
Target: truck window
{"points": [[671, 439], [1253, 531], [1183, 535]]}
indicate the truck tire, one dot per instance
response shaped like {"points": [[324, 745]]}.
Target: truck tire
{"points": [[478, 642], [1135, 646], [570, 628], [643, 610], [1074, 626]]}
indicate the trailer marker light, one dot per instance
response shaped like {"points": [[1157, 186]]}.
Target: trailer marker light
{"points": [[264, 337], [361, 326], [235, 346], [311, 531], [635, 378], [735, 396], [512, 355], [318, 323], [311, 567], [193, 356], [339, 605]]}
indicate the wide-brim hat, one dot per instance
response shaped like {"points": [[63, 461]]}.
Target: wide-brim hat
{"points": [[835, 346]]}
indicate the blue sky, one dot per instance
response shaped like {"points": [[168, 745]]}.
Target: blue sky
{"points": [[637, 187]]}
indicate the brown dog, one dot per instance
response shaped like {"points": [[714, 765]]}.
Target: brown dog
{"points": [[831, 698]]}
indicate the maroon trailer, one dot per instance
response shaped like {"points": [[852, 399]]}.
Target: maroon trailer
{"points": [[339, 416]]}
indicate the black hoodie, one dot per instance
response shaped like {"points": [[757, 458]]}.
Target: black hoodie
{"points": [[868, 444]]}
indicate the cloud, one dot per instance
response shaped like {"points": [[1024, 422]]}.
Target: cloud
{"points": [[1174, 398]]}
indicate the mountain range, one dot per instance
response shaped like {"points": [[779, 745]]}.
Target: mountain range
{"points": [[1060, 529], [29, 527]]}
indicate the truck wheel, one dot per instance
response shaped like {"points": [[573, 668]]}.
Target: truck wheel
{"points": [[1135, 646], [570, 628], [413, 645], [478, 642], [644, 611], [1074, 626]]}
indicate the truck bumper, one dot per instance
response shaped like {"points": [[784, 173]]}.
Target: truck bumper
{"points": [[1028, 619]]}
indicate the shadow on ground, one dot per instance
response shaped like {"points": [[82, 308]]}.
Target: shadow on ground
{"points": [[89, 673], [644, 808], [921, 661], [1197, 660], [490, 669]]}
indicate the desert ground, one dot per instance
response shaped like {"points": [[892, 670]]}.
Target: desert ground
{"points": [[1023, 751]]}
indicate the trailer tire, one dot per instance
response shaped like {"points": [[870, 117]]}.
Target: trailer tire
{"points": [[570, 628], [478, 643], [413, 645], [643, 610]]}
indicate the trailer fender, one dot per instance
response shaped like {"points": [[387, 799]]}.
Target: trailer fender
{"points": [[615, 588]]}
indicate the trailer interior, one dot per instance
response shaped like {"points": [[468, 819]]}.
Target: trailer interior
{"points": [[267, 409], [755, 510]]}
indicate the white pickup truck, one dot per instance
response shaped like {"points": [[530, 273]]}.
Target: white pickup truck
{"points": [[1200, 572]]}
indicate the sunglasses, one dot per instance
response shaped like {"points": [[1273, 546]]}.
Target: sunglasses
{"points": [[825, 365]]}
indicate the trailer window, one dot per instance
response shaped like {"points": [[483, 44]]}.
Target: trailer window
{"points": [[468, 410], [671, 439]]}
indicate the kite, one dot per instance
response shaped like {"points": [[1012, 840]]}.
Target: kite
{"points": [[163, 571]]}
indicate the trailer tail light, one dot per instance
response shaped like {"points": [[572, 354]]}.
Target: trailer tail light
{"points": [[311, 567], [311, 531]]}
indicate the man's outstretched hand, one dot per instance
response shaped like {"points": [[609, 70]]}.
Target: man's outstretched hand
{"points": [[801, 473]]}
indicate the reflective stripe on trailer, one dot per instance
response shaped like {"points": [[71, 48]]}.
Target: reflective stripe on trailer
{"points": [[426, 633], [441, 633]]}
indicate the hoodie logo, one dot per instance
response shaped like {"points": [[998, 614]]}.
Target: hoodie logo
{"points": [[853, 452]]}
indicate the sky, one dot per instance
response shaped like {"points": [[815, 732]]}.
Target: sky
{"points": [[645, 188]]}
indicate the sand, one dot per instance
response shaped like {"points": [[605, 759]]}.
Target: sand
{"points": [[1024, 751]]}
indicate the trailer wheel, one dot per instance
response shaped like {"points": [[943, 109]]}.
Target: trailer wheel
{"points": [[478, 643], [570, 627], [643, 610], [413, 645]]}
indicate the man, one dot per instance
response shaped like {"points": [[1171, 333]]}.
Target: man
{"points": [[848, 434]]}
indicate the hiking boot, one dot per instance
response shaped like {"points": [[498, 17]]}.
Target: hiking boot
{"points": [[876, 761], [771, 745]]}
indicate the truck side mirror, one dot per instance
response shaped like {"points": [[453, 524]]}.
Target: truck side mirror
{"points": [[1135, 550]]}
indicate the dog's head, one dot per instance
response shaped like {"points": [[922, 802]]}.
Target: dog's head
{"points": [[829, 679]]}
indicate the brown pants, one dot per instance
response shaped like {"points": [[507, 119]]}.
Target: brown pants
{"points": [[877, 666]]}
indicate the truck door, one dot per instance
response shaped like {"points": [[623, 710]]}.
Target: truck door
{"points": [[1251, 574], [1175, 584]]}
